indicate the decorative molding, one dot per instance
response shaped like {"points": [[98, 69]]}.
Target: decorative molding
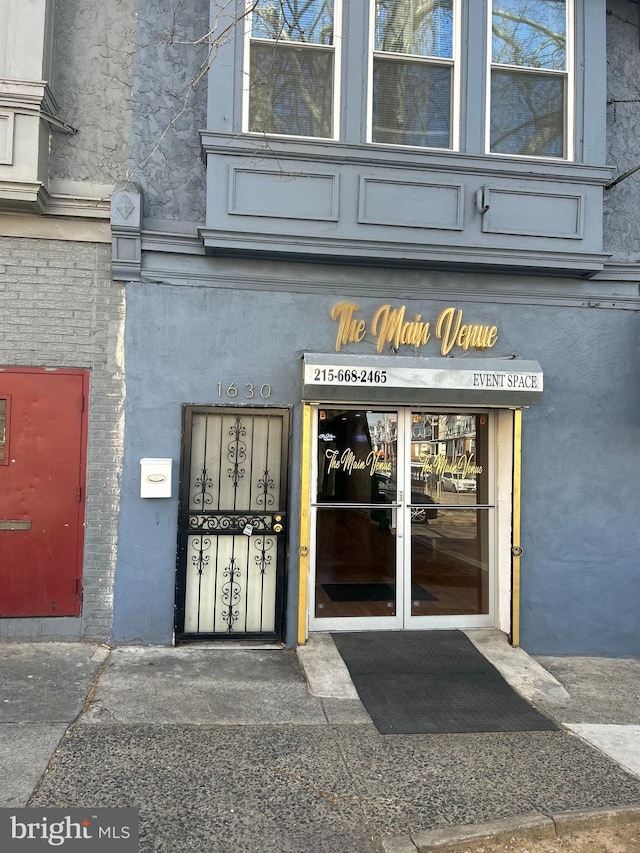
{"points": [[258, 149], [556, 296], [520, 212], [405, 254], [171, 242], [410, 204], [126, 225], [126, 208], [180, 260], [85, 207], [6, 137], [401, 207], [36, 227], [292, 194], [615, 271], [22, 196], [24, 170], [30, 97], [33, 197]]}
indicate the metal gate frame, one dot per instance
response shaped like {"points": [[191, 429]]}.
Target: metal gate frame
{"points": [[240, 518]]}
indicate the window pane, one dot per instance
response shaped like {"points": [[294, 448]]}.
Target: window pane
{"points": [[357, 457], [290, 20], [408, 26], [448, 458], [291, 90], [450, 564], [355, 563], [532, 33], [411, 103], [527, 114]]}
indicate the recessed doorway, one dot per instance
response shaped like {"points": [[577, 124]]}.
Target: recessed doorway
{"points": [[402, 518]]}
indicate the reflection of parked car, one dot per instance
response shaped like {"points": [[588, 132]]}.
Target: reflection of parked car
{"points": [[422, 514], [453, 481], [423, 508]]}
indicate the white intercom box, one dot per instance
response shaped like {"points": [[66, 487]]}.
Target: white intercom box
{"points": [[155, 478]]}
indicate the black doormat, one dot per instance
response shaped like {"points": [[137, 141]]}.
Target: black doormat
{"points": [[372, 592], [427, 682]]}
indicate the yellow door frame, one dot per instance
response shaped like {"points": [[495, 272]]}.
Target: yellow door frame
{"points": [[304, 541], [516, 549], [303, 551]]}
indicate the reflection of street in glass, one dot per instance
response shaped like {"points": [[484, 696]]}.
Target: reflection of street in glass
{"points": [[455, 481], [447, 560]]}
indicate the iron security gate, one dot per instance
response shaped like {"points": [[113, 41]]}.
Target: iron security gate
{"points": [[232, 525]]}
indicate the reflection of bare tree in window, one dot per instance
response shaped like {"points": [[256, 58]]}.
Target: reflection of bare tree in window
{"points": [[291, 91], [292, 68], [528, 93], [527, 114], [412, 103], [292, 72], [411, 88]]}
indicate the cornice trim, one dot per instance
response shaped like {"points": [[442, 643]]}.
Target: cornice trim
{"points": [[329, 250], [30, 96], [591, 297], [265, 148], [53, 228], [33, 197]]}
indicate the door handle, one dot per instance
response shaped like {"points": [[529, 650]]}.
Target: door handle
{"points": [[277, 528]]}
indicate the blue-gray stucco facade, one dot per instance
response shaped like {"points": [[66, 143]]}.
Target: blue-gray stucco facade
{"points": [[580, 461], [219, 291]]}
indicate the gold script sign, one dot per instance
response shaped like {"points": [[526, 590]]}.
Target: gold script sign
{"points": [[439, 464], [392, 326], [349, 462]]}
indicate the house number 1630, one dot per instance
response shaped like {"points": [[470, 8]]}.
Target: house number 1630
{"points": [[250, 391]]}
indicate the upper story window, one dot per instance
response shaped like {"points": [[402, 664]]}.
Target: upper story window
{"points": [[417, 72], [413, 73], [292, 68], [529, 85]]}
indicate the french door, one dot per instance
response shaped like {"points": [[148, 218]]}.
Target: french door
{"points": [[402, 519]]}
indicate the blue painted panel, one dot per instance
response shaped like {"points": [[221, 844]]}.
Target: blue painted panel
{"points": [[284, 194], [545, 214], [412, 204], [350, 202]]}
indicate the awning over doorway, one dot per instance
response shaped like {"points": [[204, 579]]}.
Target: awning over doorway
{"points": [[491, 382]]}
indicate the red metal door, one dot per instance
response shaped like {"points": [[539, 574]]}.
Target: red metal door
{"points": [[42, 468]]}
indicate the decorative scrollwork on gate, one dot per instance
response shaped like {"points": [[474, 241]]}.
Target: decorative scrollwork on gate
{"points": [[201, 495], [265, 484], [230, 523], [236, 452], [231, 591], [263, 559], [200, 560]]}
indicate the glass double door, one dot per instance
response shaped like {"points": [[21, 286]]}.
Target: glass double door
{"points": [[402, 516]]}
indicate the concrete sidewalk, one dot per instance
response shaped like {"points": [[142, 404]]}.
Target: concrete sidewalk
{"points": [[229, 749]]}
